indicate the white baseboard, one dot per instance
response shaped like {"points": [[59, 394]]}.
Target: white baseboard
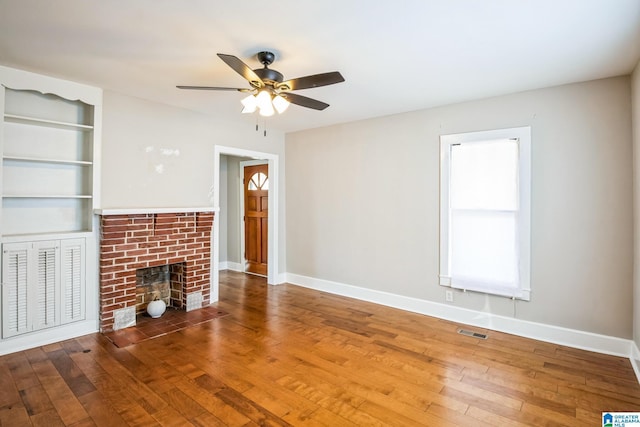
{"points": [[539, 331], [47, 336], [230, 265], [635, 359], [236, 266]]}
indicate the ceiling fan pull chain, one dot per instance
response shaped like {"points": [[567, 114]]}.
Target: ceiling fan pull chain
{"points": [[265, 127]]}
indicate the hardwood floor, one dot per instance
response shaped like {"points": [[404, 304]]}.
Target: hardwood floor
{"points": [[287, 355]]}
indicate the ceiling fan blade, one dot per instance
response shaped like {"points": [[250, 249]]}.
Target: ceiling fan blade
{"points": [[213, 88], [315, 80], [303, 101], [242, 69]]}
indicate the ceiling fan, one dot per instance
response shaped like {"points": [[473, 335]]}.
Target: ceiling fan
{"points": [[269, 90]]}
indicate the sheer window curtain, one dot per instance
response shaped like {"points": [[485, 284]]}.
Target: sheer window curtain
{"points": [[484, 216], [484, 230]]}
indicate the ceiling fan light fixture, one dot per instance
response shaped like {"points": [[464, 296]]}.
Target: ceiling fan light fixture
{"points": [[280, 104], [267, 111], [250, 104], [263, 100]]}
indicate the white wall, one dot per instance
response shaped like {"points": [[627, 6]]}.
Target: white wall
{"points": [[362, 203], [223, 214], [231, 208], [158, 156]]}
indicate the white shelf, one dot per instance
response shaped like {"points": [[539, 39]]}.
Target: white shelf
{"points": [[46, 196], [44, 122], [60, 234], [56, 161]]}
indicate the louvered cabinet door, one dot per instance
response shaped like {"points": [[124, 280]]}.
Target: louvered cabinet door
{"points": [[73, 280], [15, 289], [46, 260], [43, 285]]}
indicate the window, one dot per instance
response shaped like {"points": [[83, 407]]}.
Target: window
{"points": [[259, 181], [485, 211]]}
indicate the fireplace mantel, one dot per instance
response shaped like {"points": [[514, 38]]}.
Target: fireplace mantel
{"points": [[139, 211]]}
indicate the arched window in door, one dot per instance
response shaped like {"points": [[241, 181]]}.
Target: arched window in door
{"points": [[259, 181]]}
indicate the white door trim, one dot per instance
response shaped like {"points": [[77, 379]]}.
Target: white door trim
{"points": [[272, 262], [242, 242]]}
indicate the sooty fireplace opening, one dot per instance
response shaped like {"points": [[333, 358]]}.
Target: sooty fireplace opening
{"points": [[163, 282]]}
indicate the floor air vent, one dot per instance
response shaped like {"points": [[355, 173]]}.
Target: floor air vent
{"points": [[472, 334]]}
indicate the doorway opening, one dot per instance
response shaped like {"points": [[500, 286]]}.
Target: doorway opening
{"points": [[272, 161]]}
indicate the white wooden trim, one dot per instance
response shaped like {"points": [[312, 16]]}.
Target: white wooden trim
{"points": [[97, 156], [635, 359], [230, 265], [2, 107], [48, 336], [138, 211], [25, 80], [538, 331]]}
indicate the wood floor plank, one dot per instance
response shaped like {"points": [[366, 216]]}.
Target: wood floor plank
{"points": [[87, 422], [36, 400], [553, 402], [62, 397], [479, 415], [21, 371], [14, 415], [291, 411], [9, 394], [481, 394], [100, 411], [287, 355], [125, 391], [253, 410], [209, 420], [203, 391], [77, 382], [49, 418], [117, 389]]}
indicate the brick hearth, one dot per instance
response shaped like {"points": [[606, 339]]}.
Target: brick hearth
{"points": [[134, 241]]}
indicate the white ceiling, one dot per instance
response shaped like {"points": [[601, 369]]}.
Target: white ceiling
{"points": [[396, 56]]}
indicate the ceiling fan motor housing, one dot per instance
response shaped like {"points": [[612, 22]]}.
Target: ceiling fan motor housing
{"points": [[269, 76]]}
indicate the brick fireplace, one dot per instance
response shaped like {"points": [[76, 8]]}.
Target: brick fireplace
{"points": [[130, 242]]}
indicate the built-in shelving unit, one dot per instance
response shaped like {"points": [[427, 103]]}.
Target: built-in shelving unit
{"points": [[49, 140], [47, 155]]}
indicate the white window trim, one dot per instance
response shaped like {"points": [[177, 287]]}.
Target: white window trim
{"points": [[523, 134]]}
